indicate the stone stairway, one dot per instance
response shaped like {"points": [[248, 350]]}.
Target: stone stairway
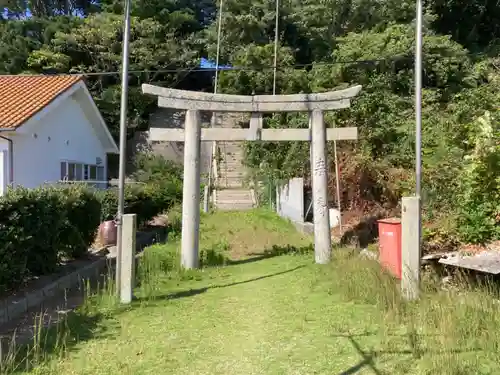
{"points": [[231, 192]]}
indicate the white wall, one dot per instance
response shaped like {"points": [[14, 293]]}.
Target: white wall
{"points": [[4, 166], [291, 200], [63, 134]]}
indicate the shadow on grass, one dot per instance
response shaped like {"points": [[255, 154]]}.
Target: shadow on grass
{"points": [[367, 360], [274, 251], [416, 352], [194, 292]]}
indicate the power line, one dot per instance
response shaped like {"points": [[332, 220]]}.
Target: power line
{"points": [[256, 69], [251, 69]]}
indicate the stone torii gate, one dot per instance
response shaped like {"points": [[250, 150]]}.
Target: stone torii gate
{"points": [[193, 134]]}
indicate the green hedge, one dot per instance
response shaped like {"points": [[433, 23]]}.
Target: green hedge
{"points": [[41, 227], [83, 214], [38, 227]]}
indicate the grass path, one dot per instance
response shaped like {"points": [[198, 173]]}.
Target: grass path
{"points": [[278, 315], [268, 317]]}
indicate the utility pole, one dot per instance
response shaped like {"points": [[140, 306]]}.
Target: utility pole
{"points": [[411, 207], [276, 39], [418, 99], [217, 57], [123, 140], [207, 192]]}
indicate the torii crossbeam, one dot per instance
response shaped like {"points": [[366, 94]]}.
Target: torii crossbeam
{"points": [[193, 134]]}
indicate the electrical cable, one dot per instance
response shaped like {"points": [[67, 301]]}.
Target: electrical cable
{"points": [[252, 69]]}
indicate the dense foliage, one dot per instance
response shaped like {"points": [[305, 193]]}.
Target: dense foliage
{"points": [[157, 187], [323, 46], [38, 227]]}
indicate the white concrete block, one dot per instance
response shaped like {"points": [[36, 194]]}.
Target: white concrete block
{"points": [[334, 217]]}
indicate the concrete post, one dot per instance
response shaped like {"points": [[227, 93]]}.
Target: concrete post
{"points": [[256, 125], [127, 266], [206, 197], [311, 163], [322, 236], [278, 201], [410, 247], [191, 191]]}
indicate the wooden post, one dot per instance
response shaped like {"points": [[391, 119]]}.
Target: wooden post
{"points": [[127, 266], [410, 247], [191, 191]]}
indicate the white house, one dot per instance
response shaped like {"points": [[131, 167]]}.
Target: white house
{"points": [[50, 130]]}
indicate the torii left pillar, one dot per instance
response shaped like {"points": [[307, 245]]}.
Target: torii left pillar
{"points": [[191, 191]]}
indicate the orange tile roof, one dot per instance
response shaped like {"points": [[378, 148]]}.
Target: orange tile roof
{"points": [[23, 96]]}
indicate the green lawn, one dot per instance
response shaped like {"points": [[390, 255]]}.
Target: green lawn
{"points": [[274, 315]]}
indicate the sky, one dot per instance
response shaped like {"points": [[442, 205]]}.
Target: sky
{"points": [[210, 64], [26, 15]]}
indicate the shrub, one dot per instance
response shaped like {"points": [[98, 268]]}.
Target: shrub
{"points": [[162, 178], [83, 213], [138, 200], [29, 231], [159, 187], [479, 203], [37, 226]]}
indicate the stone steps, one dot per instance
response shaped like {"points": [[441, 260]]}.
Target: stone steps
{"points": [[230, 193], [234, 199], [234, 194], [234, 207], [232, 173], [231, 184]]}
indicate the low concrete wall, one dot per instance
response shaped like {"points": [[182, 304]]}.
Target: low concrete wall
{"points": [[14, 307], [290, 200]]}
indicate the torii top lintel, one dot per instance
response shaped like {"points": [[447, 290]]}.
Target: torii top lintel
{"points": [[186, 100]]}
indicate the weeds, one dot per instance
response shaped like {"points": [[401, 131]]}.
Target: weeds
{"points": [[434, 332], [445, 321], [51, 337]]}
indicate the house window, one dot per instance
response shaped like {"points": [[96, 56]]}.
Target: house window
{"points": [[100, 173], [93, 173], [72, 172], [81, 172], [64, 170]]}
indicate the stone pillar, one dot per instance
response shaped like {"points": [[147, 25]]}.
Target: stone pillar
{"points": [[191, 191], [410, 247], [311, 163], [206, 197], [256, 125], [322, 236], [127, 266]]}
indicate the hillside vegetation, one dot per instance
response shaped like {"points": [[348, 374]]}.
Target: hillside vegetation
{"points": [[323, 46]]}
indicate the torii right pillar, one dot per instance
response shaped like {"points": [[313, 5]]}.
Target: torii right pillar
{"points": [[322, 235]]}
